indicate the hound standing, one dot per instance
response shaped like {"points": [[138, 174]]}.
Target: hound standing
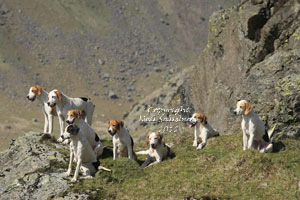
{"points": [[202, 129], [253, 127], [37, 92], [64, 104]]}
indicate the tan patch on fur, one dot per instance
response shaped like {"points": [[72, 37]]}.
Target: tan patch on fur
{"points": [[52, 110], [37, 90], [147, 139], [159, 137], [58, 94], [75, 113], [201, 117], [247, 107], [116, 124]]}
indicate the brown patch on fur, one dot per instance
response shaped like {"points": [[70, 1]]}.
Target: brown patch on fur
{"points": [[201, 117], [247, 107], [52, 110], [159, 137], [37, 90], [75, 113], [147, 139], [58, 94], [122, 152], [116, 124]]}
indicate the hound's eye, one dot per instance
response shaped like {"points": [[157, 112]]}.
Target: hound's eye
{"points": [[53, 96]]}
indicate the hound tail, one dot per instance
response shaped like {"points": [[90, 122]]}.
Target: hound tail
{"points": [[104, 168], [271, 131]]}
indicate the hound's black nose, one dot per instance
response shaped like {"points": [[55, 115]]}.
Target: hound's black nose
{"points": [[27, 97], [48, 103]]}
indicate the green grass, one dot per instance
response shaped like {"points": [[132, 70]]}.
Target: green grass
{"points": [[222, 169]]}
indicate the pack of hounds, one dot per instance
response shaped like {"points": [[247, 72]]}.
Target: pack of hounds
{"points": [[85, 145]]}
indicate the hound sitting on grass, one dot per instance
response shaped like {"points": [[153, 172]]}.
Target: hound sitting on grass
{"points": [[37, 92], [253, 127]]}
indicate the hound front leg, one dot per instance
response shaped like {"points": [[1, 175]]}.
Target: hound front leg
{"points": [[74, 179], [204, 139], [115, 151], [245, 140], [196, 136], [50, 125], [46, 123], [250, 142], [61, 124], [68, 173], [130, 150]]}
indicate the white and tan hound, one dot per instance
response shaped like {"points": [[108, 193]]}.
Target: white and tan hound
{"points": [[122, 140], [37, 92], [202, 129], [75, 117], [253, 127], [158, 150], [64, 104]]}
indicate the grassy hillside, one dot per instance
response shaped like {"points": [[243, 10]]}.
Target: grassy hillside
{"points": [[222, 169]]}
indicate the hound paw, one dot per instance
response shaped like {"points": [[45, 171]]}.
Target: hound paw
{"points": [[73, 180], [67, 141], [68, 173], [200, 147], [195, 144], [60, 140]]}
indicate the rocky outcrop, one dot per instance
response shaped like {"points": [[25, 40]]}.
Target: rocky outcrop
{"points": [[33, 168], [252, 53], [175, 93]]}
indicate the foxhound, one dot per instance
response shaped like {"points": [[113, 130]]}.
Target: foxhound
{"points": [[64, 104], [253, 127], [75, 117], [122, 140], [158, 150], [81, 152], [37, 92], [202, 129]]}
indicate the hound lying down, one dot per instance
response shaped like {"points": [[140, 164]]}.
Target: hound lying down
{"points": [[82, 152]]}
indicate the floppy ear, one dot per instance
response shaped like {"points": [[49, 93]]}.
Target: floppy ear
{"points": [[122, 124], [203, 119], [159, 137], [39, 90], [79, 114], [248, 108], [147, 139], [58, 94]]}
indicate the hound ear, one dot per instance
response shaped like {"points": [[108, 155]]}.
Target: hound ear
{"points": [[203, 119], [39, 90], [159, 137], [147, 139], [79, 114], [58, 94], [121, 124], [248, 107]]}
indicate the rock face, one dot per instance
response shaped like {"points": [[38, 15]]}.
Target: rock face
{"points": [[252, 53], [33, 170]]}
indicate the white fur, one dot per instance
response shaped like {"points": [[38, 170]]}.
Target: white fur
{"points": [[89, 133], [202, 131], [48, 124], [121, 137], [253, 127], [157, 152], [82, 153], [66, 104]]}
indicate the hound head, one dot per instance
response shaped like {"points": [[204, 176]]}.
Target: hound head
{"points": [[73, 115], [70, 131], [197, 117], [53, 97], [243, 107], [114, 126], [34, 91], [153, 139]]}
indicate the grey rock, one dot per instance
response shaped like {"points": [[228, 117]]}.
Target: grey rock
{"points": [[112, 95]]}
